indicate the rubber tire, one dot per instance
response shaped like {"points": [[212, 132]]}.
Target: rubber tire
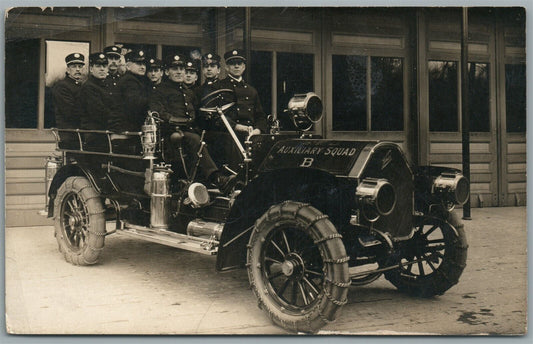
{"points": [[334, 290], [447, 273], [90, 249]]}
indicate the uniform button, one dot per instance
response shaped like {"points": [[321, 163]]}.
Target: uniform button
{"points": [[247, 98], [187, 112], [245, 86], [249, 109], [186, 103], [237, 109]]}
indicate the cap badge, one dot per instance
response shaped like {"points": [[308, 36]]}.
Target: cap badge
{"points": [[234, 52], [152, 61], [76, 55], [189, 64], [101, 56], [209, 56], [141, 53], [114, 49], [176, 58]]}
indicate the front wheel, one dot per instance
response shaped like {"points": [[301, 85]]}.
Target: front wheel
{"points": [[438, 249], [297, 266], [79, 221]]}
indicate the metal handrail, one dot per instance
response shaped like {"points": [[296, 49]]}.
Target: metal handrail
{"points": [[84, 149]]}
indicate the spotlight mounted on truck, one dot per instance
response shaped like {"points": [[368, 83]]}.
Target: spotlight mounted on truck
{"points": [[304, 110], [453, 188], [376, 197]]}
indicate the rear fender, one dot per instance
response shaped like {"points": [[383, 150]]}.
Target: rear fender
{"points": [[333, 196], [71, 171]]}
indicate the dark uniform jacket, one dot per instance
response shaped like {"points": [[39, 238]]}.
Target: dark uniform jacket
{"points": [[247, 109], [112, 83], [65, 95], [97, 106], [173, 102], [204, 120], [134, 92]]}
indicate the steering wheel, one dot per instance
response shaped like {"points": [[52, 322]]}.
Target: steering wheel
{"points": [[221, 99]]}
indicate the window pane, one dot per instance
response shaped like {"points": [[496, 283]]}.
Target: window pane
{"points": [[22, 83], [515, 97], [478, 97], [387, 93], [261, 77], [191, 52], [349, 92], [149, 49], [295, 76], [443, 96], [56, 68]]}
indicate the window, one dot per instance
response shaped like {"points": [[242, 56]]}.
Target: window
{"points": [[349, 93], [22, 83], [261, 77], [443, 96], [515, 97], [190, 52], [387, 94], [294, 75], [352, 109], [479, 96]]}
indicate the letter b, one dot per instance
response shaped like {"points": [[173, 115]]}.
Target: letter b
{"points": [[307, 162]]}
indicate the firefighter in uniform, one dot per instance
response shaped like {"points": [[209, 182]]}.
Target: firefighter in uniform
{"points": [[154, 72], [114, 56], [134, 91], [191, 74], [95, 101], [246, 116], [65, 93], [175, 106], [220, 142]]}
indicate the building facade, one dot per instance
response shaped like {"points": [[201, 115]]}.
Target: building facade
{"points": [[383, 74]]}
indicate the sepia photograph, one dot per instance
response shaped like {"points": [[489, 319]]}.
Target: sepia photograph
{"points": [[266, 170]]}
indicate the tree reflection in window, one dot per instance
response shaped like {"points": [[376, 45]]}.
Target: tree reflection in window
{"points": [[443, 96], [478, 96], [515, 97], [387, 93], [349, 93]]}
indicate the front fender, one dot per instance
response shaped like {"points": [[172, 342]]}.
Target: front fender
{"points": [[333, 196]]}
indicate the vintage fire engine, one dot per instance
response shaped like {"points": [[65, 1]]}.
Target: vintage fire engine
{"points": [[310, 218]]}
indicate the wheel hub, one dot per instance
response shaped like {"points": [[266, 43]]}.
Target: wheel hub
{"points": [[75, 220], [293, 266]]}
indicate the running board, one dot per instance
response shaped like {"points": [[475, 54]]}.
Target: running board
{"points": [[186, 242]]}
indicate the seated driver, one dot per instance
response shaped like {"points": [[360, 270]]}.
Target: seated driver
{"points": [[174, 103]]}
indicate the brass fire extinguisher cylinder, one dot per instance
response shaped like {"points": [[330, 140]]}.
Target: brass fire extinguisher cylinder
{"points": [[160, 200], [52, 166]]}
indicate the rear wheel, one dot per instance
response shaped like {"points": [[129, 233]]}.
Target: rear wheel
{"points": [[79, 221], [440, 248], [297, 266]]}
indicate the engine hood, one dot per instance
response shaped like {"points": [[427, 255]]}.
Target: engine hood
{"points": [[338, 157]]}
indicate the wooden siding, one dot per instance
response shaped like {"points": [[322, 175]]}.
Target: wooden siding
{"points": [[24, 177], [446, 150]]}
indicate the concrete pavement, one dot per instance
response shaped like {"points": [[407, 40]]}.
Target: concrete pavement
{"points": [[145, 288]]}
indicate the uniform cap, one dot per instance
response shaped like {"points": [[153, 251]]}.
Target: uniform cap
{"points": [[112, 50], [211, 58], [154, 63], [191, 64], [135, 56], [234, 54], [175, 60], [98, 58], [75, 58]]}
